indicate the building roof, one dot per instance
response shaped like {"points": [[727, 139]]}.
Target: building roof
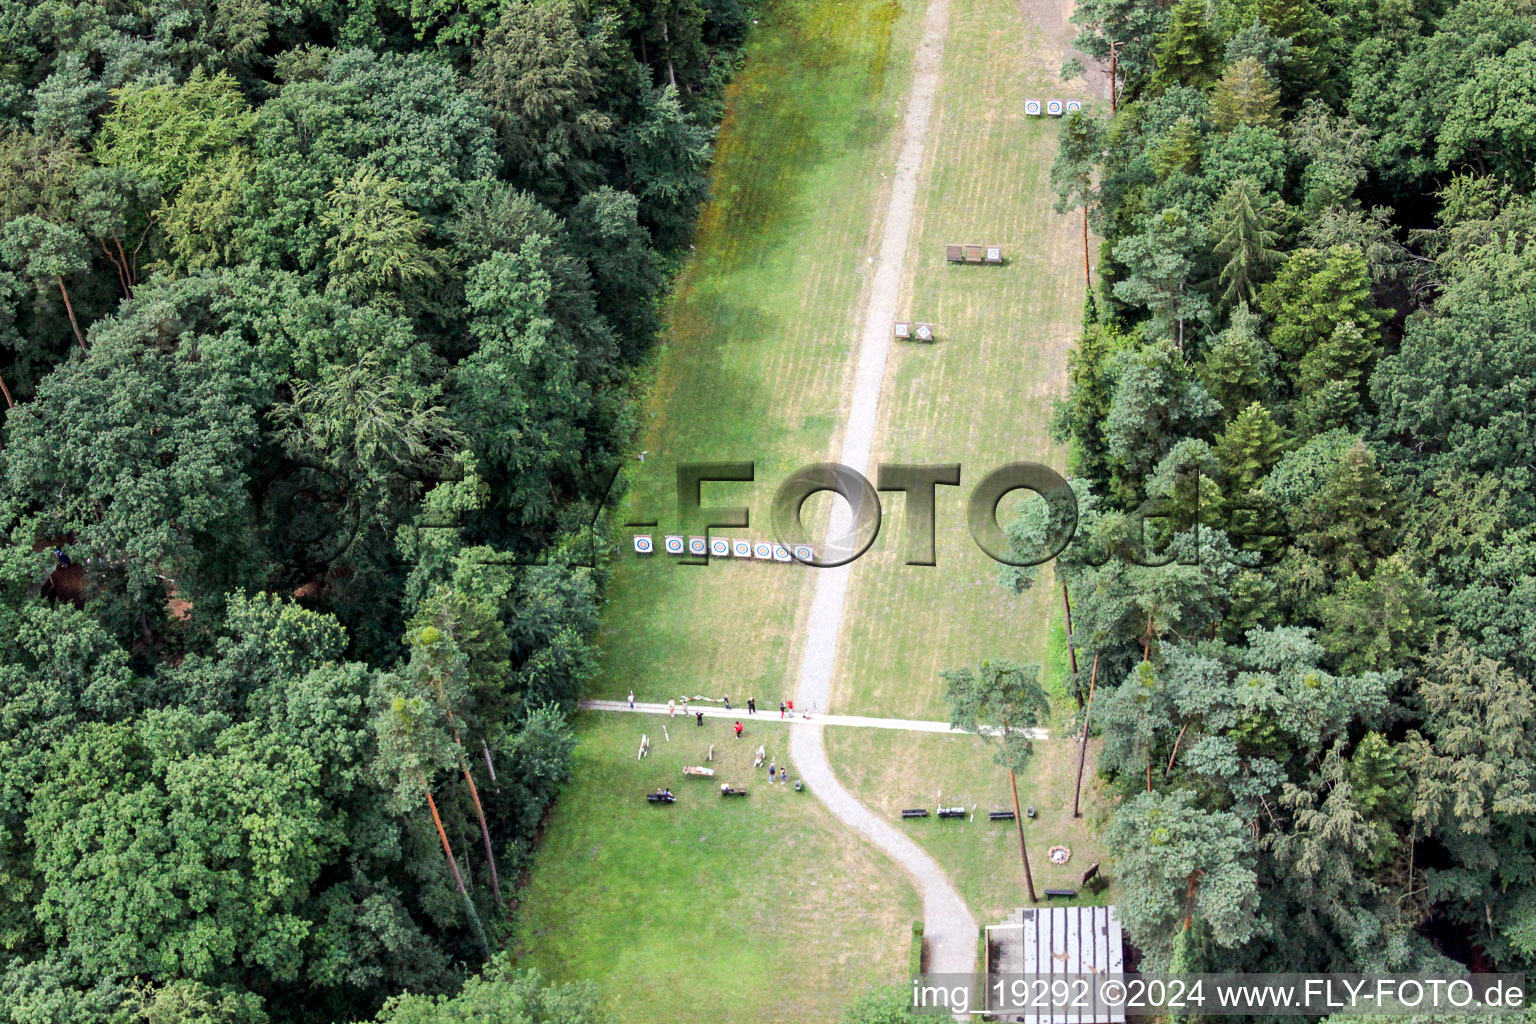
{"points": [[1063, 940]]}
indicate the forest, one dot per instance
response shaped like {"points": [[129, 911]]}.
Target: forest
{"points": [[320, 332], [1304, 579]]}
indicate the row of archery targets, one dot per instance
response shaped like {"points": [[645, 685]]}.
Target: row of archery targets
{"points": [[724, 547]]}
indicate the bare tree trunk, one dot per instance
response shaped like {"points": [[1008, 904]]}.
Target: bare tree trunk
{"points": [[1087, 277], [437, 820], [1082, 754], [1018, 819], [485, 831], [489, 767], [70, 309], [1173, 756], [666, 38], [7, 392], [1066, 602]]}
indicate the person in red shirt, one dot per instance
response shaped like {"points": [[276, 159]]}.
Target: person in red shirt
{"points": [[738, 730]]}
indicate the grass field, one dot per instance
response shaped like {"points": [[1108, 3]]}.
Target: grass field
{"points": [[760, 910], [768, 909], [760, 338], [711, 909], [981, 395]]}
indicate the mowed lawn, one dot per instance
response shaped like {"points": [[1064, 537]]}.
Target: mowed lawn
{"points": [[765, 909], [713, 909], [759, 343], [982, 394]]}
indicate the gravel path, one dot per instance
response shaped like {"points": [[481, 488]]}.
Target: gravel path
{"points": [[948, 927], [771, 716]]}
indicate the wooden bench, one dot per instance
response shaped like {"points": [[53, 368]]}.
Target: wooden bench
{"points": [[732, 791], [954, 253], [915, 812], [1063, 893], [951, 812], [661, 798], [1000, 815]]}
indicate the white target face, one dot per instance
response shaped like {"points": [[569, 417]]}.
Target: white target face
{"points": [[643, 544], [1053, 107], [720, 547], [781, 553], [1073, 105], [803, 553], [673, 545], [697, 545], [1032, 107], [763, 550], [742, 548]]}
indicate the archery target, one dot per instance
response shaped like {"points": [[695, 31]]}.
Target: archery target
{"points": [[803, 553], [697, 546], [763, 550], [1073, 105], [1032, 108], [741, 548], [643, 544], [781, 553], [720, 547], [1053, 107], [672, 544]]}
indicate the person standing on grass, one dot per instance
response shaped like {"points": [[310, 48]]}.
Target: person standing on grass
{"points": [[738, 730], [770, 773], [631, 700], [751, 705], [700, 715], [727, 702]]}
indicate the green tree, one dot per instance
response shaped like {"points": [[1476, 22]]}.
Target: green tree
{"points": [[665, 153], [171, 132], [1489, 123], [539, 70], [1314, 293], [1179, 862], [374, 243], [1380, 622], [1245, 95], [1002, 701], [1156, 401], [1249, 448], [1245, 240], [501, 995], [1331, 378], [1186, 53], [1238, 369], [46, 253], [1348, 522]]}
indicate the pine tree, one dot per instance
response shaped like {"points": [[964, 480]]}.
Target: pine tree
{"points": [[1347, 522], [1250, 447], [1186, 53], [1314, 293], [1245, 95], [1180, 151], [1330, 378], [1237, 368], [1245, 239]]}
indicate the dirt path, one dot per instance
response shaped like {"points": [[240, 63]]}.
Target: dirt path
{"points": [[949, 928]]}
